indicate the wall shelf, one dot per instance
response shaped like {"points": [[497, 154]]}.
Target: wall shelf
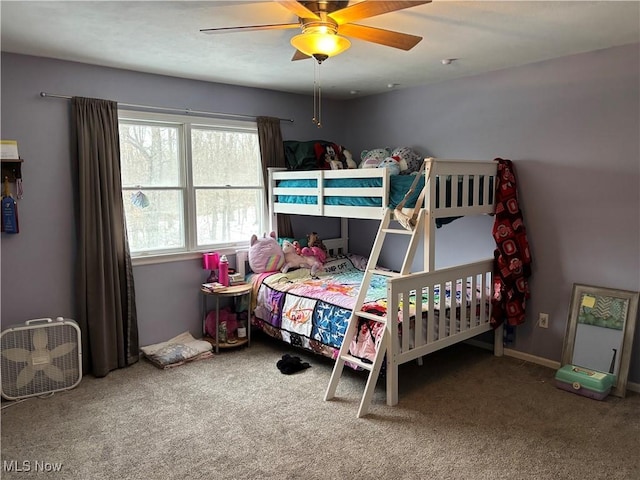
{"points": [[11, 168]]}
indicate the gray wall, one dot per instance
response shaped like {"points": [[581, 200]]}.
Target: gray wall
{"points": [[37, 264], [571, 125]]}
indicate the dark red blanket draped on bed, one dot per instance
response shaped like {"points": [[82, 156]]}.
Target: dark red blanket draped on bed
{"points": [[512, 259]]}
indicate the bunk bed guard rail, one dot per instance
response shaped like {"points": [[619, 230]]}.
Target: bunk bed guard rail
{"points": [[455, 188]]}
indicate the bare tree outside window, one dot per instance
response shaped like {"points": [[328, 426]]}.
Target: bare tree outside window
{"points": [[189, 185]]}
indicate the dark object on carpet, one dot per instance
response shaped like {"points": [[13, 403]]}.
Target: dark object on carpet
{"points": [[288, 364]]}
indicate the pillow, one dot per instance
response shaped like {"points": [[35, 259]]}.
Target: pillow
{"points": [[177, 351], [359, 261], [302, 241]]}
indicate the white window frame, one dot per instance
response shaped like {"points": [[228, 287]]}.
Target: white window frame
{"points": [[184, 124]]}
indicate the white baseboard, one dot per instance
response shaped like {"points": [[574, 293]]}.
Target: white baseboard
{"points": [[632, 386], [527, 357], [545, 362]]}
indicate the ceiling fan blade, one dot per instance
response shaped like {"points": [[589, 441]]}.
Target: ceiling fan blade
{"points": [[277, 26], [367, 8], [403, 41], [299, 56], [297, 8]]}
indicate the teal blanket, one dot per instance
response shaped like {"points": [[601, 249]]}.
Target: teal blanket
{"points": [[400, 185]]}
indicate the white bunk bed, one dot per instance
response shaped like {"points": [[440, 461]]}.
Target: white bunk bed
{"points": [[467, 190]]}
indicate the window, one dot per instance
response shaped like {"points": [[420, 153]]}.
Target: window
{"points": [[189, 184]]}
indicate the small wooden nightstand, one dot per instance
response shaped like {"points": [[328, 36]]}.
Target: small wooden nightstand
{"points": [[227, 292]]}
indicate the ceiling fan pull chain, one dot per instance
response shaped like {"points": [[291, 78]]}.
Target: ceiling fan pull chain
{"points": [[315, 86], [319, 100]]}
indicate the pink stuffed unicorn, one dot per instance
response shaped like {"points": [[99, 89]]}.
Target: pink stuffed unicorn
{"points": [[314, 252], [294, 260]]}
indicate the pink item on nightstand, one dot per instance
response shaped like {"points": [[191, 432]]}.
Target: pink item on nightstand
{"points": [[223, 271]]}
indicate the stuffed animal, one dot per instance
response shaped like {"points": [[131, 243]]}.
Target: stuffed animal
{"points": [[327, 155], [293, 260], [393, 164], [315, 244], [412, 159], [331, 157], [335, 165], [265, 254], [373, 158], [348, 158], [314, 252]]}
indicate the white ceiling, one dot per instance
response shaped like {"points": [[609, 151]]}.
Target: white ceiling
{"points": [[163, 37]]}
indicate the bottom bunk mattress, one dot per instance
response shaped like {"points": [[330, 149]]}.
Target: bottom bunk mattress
{"points": [[313, 312]]}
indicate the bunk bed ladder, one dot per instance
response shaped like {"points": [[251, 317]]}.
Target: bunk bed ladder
{"points": [[352, 329]]}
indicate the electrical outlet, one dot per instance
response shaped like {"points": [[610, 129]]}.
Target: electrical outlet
{"points": [[543, 320]]}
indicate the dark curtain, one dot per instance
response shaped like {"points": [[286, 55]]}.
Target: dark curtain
{"points": [[104, 275], [272, 153]]}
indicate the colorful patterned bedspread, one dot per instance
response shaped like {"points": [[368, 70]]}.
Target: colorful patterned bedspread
{"points": [[313, 313]]}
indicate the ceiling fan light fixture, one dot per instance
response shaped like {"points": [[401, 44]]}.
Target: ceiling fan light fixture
{"points": [[318, 43]]}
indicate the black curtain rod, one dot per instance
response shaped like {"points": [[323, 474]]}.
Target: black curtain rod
{"points": [[187, 111]]}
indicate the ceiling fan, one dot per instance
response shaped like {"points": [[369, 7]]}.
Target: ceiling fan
{"points": [[324, 22]]}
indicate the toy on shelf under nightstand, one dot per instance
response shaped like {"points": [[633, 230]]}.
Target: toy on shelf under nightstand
{"points": [[227, 331]]}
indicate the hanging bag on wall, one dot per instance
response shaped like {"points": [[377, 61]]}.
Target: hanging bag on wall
{"points": [[9, 210]]}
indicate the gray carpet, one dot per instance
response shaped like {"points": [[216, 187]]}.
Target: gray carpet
{"points": [[464, 414]]}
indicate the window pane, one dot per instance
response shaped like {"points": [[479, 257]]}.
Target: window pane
{"points": [[157, 226], [227, 215], [224, 157], [149, 155]]}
